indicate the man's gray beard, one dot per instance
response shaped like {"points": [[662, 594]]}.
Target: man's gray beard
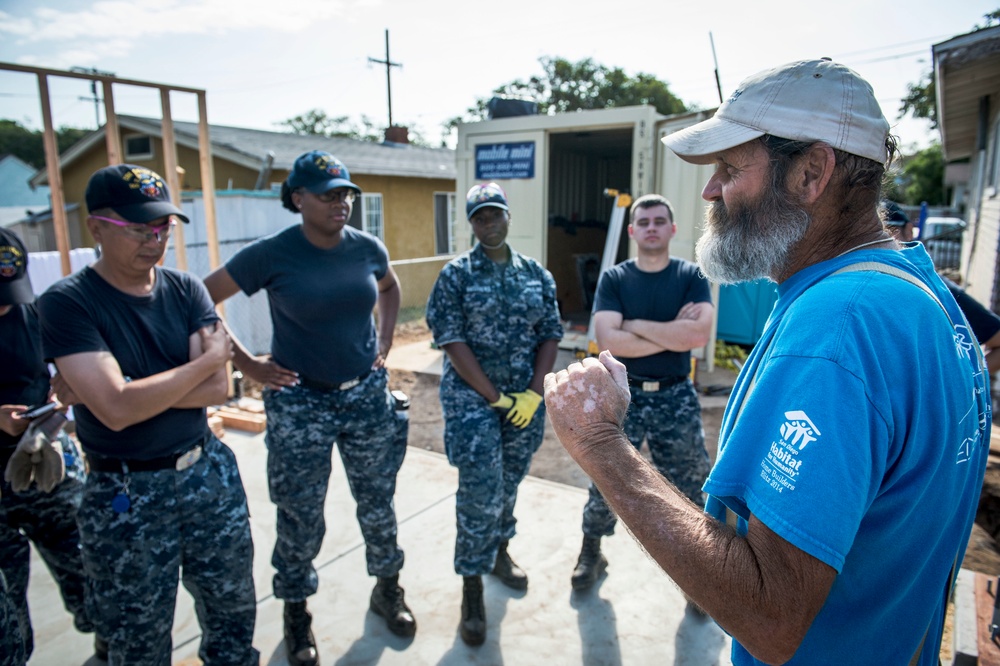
{"points": [[751, 243]]}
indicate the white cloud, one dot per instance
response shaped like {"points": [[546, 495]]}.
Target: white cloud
{"points": [[130, 23], [15, 26]]}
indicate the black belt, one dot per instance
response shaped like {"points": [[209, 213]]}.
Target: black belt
{"points": [[177, 461], [654, 385], [317, 385]]}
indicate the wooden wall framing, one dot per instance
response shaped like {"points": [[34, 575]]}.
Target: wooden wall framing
{"points": [[114, 152]]}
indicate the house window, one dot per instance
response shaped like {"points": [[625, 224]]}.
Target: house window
{"points": [[367, 215], [444, 222], [138, 147]]}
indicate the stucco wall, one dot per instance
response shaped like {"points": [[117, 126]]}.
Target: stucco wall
{"points": [[416, 278], [408, 207]]}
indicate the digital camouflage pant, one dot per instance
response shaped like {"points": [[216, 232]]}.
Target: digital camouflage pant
{"points": [[670, 422], [49, 521], [195, 521], [302, 426], [11, 641], [492, 457]]}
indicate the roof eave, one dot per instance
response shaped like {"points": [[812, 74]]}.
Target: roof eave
{"points": [[966, 68]]}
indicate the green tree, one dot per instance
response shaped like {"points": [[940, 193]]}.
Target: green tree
{"points": [[920, 100], [67, 136], [921, 179], [571, 86], [29, 146], [992, 18], [317, 122]]}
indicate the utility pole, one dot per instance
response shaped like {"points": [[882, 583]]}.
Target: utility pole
{"points": [[388, 64], [718, 83], [93, 89]]}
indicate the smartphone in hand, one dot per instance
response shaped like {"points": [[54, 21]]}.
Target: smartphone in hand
{"points": [[36, 411]]}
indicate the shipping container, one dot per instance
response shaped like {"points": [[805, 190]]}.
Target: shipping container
{"points": [[556, 170]]}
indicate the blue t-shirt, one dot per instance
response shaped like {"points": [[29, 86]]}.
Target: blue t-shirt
{"points": [[147, 335], [863, 451], [658, 296], [321, 300]]}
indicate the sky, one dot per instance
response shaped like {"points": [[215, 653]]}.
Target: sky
{"points": [[264, 61]]}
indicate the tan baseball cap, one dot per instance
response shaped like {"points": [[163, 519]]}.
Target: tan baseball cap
{"points": [[808, 100]]}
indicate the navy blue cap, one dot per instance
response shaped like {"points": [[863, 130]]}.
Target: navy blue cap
{"points": [[481, 196], [894, 215], [134, 192], [318, 171], [15, 285]]}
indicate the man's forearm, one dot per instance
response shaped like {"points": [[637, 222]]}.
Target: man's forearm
{"points": [[738, 581], [118, 402], [624, 344], [212, 391], [678, 335]]}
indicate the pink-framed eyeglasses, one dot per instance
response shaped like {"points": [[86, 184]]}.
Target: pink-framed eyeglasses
{"points": [[141, 232]]}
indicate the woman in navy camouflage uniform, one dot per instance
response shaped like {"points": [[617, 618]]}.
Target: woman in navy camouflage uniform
{"points": [[325, 382], [493, 311]]}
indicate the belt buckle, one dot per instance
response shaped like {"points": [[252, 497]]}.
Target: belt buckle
{"points": [[188, 458], [349, 384], [651, 387]]}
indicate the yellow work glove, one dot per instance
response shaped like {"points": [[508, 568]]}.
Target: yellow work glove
{"points": [[503, 403], [38, 457], [525, 406]]}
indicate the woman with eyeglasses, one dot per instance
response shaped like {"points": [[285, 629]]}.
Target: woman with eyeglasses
{"points": [[325, 382]]}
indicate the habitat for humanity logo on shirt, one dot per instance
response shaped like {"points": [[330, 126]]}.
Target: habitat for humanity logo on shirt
{"points": [[781, 466]]}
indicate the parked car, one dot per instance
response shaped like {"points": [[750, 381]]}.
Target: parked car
{"points": [[942, 236]]}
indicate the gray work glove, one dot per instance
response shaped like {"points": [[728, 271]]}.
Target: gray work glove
{"points": [[38, 456]]}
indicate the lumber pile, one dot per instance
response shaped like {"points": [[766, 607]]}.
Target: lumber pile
{"points": [[245, 414]]}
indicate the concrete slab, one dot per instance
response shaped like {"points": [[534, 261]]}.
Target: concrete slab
{"points": [[635, 615], [416, 357]]}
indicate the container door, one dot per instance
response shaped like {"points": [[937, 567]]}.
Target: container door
{"points": [[515, 161]]}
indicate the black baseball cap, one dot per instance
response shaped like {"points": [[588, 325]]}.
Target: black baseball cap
{"points": [[136, 193], [15, 285]]}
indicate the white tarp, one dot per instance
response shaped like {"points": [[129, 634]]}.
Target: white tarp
{"points": [[45, 268]]}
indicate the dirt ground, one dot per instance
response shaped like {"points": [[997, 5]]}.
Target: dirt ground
{"points": [[427, 425], [553, 463]]}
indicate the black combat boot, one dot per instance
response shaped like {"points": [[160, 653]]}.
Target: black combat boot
{"points": [[590, 565], [300, 644], [473, 611], [507, 571], [100, 648], [387, 602]]}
